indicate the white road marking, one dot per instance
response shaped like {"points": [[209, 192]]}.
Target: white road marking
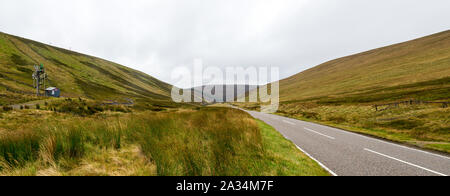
{"points": [[321, 165], [370, 138], [414, 165], [288, 122], [378, 140], [319, 133], [385, 142]]}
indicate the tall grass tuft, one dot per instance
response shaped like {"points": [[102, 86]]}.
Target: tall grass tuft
{"points": [[206, 142], [18, 148]]}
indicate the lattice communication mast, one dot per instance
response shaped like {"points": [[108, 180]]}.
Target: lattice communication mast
{"points": [[39, 78]]}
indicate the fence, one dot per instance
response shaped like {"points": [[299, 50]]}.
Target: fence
{"points": [[410, 102]]}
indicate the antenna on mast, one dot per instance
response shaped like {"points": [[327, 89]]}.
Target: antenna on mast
{"points": [[39, 78]]}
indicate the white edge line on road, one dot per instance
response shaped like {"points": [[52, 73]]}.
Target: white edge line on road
{"points": [[307, 154], [321, 165], [291, 123], [319, 133], [435, 172]]}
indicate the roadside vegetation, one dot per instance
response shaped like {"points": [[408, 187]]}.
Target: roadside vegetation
{"points": [[418, 124], [125, 123], [193, 142], [343, 92], [426, 126], [422, 125], [284, 157]]}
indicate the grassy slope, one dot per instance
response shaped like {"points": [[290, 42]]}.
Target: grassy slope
{"points": [[75, 74], [80, 137], [342, 92], [377, 71], [209, 141]]}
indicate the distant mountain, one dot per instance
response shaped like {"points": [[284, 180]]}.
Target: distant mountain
{"points": [[234, 91], [74, 73]]}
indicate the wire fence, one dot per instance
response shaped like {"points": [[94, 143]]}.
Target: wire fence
{"points": [[383, 107]]}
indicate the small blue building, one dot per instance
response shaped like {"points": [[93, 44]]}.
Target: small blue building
{"points": [[52, 92]]}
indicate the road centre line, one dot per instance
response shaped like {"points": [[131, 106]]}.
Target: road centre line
{"points": [[288, 122], [319, 133]]}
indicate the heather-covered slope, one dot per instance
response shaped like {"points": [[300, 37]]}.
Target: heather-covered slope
{"points": [[74, 73], [403, 70]]}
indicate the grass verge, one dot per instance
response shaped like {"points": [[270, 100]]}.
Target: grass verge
{"points": [[430, 131], [284, 157]]}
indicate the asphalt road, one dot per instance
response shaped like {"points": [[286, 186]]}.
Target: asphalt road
{"points": [[344, 153]]}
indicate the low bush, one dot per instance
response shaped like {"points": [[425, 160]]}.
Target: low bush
{"points": [[7, 108]]}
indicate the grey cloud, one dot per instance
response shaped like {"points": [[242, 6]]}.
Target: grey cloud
{"points": [[155, 36]]}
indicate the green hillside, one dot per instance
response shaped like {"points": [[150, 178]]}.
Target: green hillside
{"points": [[77, 75], [86, 133], [389, 73]]}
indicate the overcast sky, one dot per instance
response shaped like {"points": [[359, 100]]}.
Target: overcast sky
{"points": [[155, 36]]}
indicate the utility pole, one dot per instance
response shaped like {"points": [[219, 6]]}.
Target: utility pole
{"points": [[39, 77]]}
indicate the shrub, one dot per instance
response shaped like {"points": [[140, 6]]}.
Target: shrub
{"points": [[7, 108], [38, 107], [155, 109]]}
